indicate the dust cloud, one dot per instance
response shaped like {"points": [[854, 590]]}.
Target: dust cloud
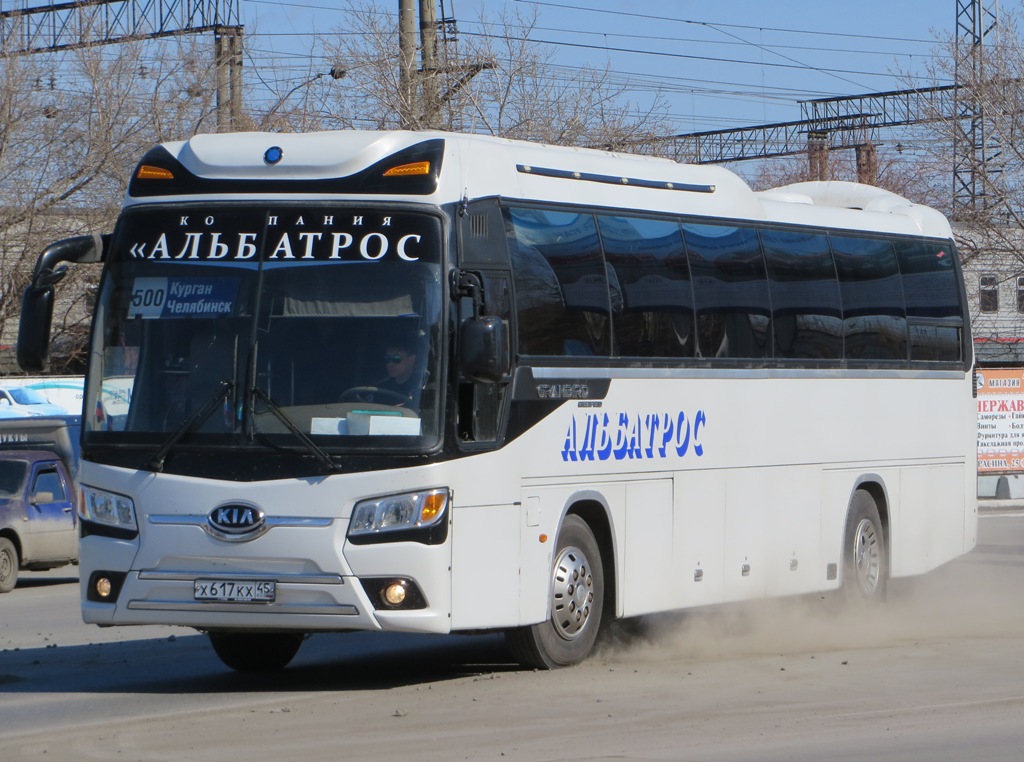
{"points": [[980, 595]]}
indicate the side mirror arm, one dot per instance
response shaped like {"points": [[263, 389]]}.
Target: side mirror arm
{"points": [[37, 301]]}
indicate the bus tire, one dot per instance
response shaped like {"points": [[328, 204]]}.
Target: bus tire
{"points": [[865, 560], [577, 592], [256, 651], [8, 565]]}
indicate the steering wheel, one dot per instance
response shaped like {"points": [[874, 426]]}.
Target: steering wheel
{"points": [[373, 394]]}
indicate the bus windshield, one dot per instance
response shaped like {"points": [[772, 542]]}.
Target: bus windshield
{"points": [[251, 326]]}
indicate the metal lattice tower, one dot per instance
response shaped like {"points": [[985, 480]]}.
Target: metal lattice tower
{"points": [[86, 23], [853, 122], [976, 151]]}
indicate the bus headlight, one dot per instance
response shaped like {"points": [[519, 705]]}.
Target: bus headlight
{"points": [[108, 508], [407, 512]]}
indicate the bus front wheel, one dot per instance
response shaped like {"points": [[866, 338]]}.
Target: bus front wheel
{"points": [[256, 651], [865, 562], [576, 604]]}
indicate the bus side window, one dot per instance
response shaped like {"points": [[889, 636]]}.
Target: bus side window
{"points": [[934, 311], [561, 283], [653, 308], [806, 311], [874, 318], [730, 291]]}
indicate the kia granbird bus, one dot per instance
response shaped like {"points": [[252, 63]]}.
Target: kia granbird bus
{"points": [[638, 386]]}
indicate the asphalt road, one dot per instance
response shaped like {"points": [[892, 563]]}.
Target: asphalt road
{"points": [[936, 674]]}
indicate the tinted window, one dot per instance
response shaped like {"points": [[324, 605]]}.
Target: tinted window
{"points": [[12, 477], [807, 317], [651, 295], [936, 343], [929, 280], [933, 300], [307, 308], [561, 283], [49, 481], [730, 291], [874, 318]]}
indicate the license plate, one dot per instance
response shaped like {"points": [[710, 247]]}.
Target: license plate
{"points": [[235, 591]]}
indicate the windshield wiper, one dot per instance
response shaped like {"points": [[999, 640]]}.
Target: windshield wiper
{"points": [[196, 419], [315, 450]]}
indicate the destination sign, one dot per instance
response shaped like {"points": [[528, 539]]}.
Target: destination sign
{"points": [[180, 297], [286, 237]]}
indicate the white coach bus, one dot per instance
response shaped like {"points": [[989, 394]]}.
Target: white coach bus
{"points": [[442, 383]]}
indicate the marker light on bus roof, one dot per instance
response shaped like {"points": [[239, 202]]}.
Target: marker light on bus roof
{"points": [[149, 172], [413, 168]]}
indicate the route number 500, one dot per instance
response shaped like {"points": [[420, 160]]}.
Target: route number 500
{"points": [[148, 297]]}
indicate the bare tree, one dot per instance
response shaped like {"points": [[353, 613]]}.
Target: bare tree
{"points": [[978, 158], [909, 174], [983, 139], [72, 127], [496, 81]]}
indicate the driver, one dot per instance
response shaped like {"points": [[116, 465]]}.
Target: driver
{"points": [[400, 366]]}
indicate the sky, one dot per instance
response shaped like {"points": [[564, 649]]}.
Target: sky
{"points": [[716, 65]]}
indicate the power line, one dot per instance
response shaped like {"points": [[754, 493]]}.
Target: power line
{"points": [[769, 48], [650, 37], [663, 19], [636, 84], [688, 56], [701, 41]]}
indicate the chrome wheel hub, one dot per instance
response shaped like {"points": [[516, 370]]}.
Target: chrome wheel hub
{"points": [[866, 556], [572, 593]]}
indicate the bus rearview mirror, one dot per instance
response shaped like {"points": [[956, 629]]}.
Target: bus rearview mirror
{"points": [[34, 328], [484, 349], [37, 302]]}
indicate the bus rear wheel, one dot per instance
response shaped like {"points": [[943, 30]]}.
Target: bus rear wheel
{"points": [[577, 604], [256, 651], [865, 561]]}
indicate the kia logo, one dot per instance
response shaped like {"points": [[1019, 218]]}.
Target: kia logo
{"points": [[236, 519]]}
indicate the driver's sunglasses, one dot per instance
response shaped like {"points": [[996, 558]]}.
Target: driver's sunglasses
{"points": [[393, 358]]}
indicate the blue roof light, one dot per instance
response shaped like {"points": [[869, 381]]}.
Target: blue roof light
{"points": [[273, 155]]}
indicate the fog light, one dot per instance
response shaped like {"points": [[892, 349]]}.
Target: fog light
{"points": [[394, 594], [104, 586]]}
